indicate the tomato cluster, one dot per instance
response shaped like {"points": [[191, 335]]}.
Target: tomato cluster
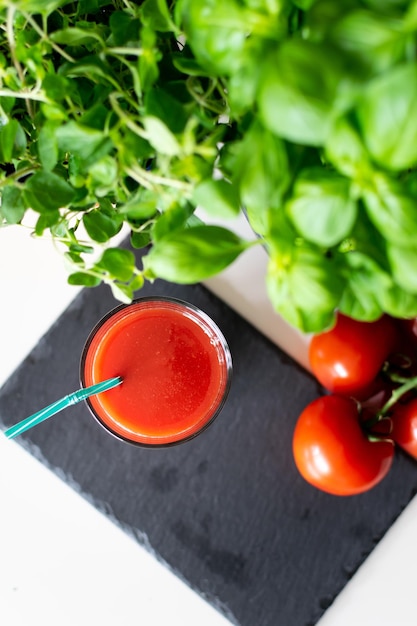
{"points": [[344, 442]]}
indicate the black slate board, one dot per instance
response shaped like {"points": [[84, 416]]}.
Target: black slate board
{"points": [[226, 511]]}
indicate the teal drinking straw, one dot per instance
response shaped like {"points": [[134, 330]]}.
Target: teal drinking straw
{"points": [[55, 407]]}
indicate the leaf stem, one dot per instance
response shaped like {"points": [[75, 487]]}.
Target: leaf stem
{"points": [[142, 228], [125, 118], [25, 95], [18, 174], [12, 46], [202, 99], [44, 36], [114, 51], [149, 179]]}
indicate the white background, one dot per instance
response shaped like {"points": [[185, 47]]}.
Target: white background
{"points": [[64, 563]]}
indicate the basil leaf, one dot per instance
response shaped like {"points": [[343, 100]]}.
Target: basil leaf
{"points": [[365, 280], [156, 15], [305, 290], [77, 36], [118, 262], [378, 40], [173, 219], [297, 89], [48, 146], [123, 293], [57, 87], [44, 7], [194, 254], [403, 262], [392, 210], [87, 144], [12, 206], [148, 62], [160, 104], [46, 191], [345, 149], [218, 198], [260, 168], [243, 85], [160, 136], [84, 279], [140, 239], [12, 141], [7, 103], [123, 27], [132, 147], [141, 205], [366, 238], [101, 226], [88, 6], [76, 249], [103, 175], [137, 282], [216, 32], [322, 208], [398, 302], [410, 19], [388, 117]]}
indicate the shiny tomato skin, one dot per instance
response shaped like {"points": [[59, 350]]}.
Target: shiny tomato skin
{"points": [[404, 426], [347, 358], [332, 452]]}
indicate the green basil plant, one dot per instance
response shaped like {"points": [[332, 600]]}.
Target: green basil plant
{"points": [[301, 113]]}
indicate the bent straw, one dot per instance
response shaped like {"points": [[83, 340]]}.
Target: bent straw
{"points": [[59, 405]]}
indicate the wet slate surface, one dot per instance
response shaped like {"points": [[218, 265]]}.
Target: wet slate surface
{"points": [[227, 510]]}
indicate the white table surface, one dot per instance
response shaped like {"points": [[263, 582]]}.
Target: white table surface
{"points": [[64, 563]]}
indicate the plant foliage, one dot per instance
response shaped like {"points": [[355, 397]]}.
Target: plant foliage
{"points": [[120, 113]]}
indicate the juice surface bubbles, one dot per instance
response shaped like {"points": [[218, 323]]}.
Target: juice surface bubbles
{"points": [[175, 365]]}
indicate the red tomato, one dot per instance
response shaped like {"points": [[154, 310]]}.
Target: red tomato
{"points": [[404, 426], [347, 358], [333, 453]]}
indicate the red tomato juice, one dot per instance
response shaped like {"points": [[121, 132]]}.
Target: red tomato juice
{"points": [[175, 365]]}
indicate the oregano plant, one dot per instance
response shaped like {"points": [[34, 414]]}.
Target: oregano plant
{"points": [[300, 113]]}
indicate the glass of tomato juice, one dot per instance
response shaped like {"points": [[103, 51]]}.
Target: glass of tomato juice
{"points": [[175, 366]]}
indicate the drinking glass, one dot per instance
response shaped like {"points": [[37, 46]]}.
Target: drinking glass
{"points": [[175, 365]]}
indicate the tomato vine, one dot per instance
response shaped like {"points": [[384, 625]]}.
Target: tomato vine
{"points": [[344, 442]]}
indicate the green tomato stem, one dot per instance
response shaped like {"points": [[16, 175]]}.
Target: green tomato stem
{"points": [[407, 385]]}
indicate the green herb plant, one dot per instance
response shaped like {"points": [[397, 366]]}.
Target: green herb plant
{"points": [[301, 113]]}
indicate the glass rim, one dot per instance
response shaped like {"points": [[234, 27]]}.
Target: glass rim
{"points": [[228, 369]]}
